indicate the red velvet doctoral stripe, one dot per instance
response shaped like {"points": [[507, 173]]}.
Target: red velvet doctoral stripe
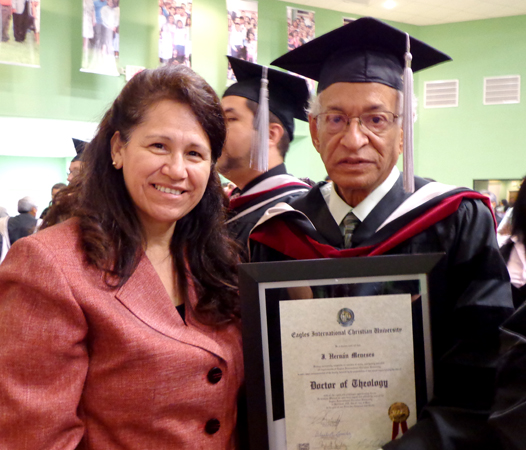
{"points": [[289, 240]]}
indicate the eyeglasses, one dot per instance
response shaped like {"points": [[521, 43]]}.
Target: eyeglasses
{"points": [[376, 122]]}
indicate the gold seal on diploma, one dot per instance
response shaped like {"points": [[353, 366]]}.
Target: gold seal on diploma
{"points": [[398, 413]]}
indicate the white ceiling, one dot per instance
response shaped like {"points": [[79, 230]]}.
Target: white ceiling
{"points": [[424, 12]]}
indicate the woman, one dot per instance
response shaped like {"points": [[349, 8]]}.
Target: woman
{"points": [[514, 251], [119, 327]]}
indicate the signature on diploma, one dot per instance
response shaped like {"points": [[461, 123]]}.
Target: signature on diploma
{"points": [[327, 419], [333, 445]]}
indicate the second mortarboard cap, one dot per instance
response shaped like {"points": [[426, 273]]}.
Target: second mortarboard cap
{"points": [[287, 97], [365, 50], [79, 148]]}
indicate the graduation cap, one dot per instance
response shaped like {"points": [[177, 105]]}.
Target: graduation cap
{"points": [[367, 51], [79, 148], [283, 94]]}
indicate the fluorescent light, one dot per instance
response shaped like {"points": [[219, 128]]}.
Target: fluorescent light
{"points": [[389, 4]]}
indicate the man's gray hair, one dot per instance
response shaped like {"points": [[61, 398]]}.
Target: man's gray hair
{"points": [[491, 195], [3, 212], [26, 204]]}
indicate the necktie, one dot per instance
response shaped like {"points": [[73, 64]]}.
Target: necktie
{"points": [[350, 222]]}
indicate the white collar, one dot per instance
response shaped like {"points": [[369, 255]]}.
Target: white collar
{"points": [[339, 209]]}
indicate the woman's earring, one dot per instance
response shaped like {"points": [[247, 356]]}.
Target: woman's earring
{"points": [[114, 163]]}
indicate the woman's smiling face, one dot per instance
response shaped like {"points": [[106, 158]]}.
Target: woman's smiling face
{"points": [[166, 163]]}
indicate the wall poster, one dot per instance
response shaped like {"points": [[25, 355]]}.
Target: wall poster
{"points": [[100, 36], [242, 32], [175, 21], [301, 28], [20, 24]]}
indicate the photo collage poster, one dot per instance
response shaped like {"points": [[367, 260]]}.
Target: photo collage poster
{"points": [[100, 36], [175, 44], [301, 28], [20, 23], [242, 32]]}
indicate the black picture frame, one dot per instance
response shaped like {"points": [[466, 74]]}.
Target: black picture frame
{"points": [[258, 283]]}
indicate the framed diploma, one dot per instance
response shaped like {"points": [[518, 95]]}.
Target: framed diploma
{"points": [[337, 351]]}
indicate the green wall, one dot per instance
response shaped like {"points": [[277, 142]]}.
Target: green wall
{"points": [[473, 141], [453, 145]]}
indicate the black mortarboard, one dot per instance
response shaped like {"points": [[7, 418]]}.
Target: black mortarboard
{"points": [[288, 94], [365, 50], [79, 148]]}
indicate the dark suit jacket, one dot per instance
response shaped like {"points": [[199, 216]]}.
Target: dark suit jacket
{"points": [[83, 366], [20, 226]]}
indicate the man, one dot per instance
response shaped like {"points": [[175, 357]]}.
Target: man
{"points": [[54, 191], [236, 40], [6, 9], [4, 235], [493, 199], [24, 224], [21, 18], [355, 127], [257, 190], [76, 163]]}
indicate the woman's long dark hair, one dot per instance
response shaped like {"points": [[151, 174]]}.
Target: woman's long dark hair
{"points": [[111, 233], [518, 217]]}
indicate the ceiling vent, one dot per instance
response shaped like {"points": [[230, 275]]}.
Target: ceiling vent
{"points": [[502, 90], [441, 94]]}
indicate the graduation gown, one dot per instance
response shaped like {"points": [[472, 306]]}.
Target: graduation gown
{"points": [[265, 191], [469, 290], [509, 410]]}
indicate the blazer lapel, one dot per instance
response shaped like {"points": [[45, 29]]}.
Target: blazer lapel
{"points": [[145, 297]]}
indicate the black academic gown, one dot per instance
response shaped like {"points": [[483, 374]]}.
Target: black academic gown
{"points": [[470, 298], [509, 411], [241, 224]]}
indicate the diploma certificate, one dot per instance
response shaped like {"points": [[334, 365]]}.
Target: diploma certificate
{"points": [[337, 351], [348, 369]]}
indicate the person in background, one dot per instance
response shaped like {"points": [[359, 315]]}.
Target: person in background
{"points": [[76, 163], [4, 235], [257, 188], [120, 326], [493, 199], [21, 19], [6, 10], [509, 409], [54, 191], [98, 29], [513, 249], [25, 222], [370, 208]]}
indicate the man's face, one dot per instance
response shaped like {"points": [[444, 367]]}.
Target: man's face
{"points": [[240, 131], [54, 192], [74, 170], [356, 159]]}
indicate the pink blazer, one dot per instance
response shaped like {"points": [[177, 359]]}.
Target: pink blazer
{"points": [[83, 366]]}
